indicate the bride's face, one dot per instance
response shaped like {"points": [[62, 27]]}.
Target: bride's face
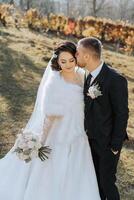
{"points": [[67, 62]]}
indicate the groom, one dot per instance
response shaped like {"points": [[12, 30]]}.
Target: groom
{"points": [[106, 114]]}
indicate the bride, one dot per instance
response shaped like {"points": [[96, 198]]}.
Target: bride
{"points": [[58, 118]]}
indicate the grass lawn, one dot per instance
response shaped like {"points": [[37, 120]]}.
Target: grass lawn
{"points": [[23, 58]]}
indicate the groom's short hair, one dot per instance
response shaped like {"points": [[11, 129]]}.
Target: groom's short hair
{"points": [[92, 44]]}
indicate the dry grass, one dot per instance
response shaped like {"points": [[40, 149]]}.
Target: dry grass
{"points": [[23, 57]]}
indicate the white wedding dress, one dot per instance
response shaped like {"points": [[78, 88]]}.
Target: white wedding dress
{"points": [[69, 172]]}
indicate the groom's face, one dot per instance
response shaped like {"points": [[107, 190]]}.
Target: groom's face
{"points": [[80, 56]]}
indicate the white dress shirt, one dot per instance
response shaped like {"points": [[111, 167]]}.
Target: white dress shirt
{"points": [[95, 72]]}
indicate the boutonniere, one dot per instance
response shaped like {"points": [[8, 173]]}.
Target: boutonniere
{"points": [[94, 91]]}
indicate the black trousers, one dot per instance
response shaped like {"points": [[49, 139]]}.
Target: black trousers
{"points": [[105, 163]]}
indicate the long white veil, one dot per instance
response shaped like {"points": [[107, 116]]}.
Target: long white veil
{"points": [[36, 121]]}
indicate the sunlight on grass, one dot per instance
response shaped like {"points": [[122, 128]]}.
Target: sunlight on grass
{"points": [[23, 58]]}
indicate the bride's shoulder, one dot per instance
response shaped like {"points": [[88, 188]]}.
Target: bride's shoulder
{"points": [[80, 70], [53, 79], [81, 73]]}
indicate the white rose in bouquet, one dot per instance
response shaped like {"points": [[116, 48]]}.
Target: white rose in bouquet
{"points": [[28, 146]]}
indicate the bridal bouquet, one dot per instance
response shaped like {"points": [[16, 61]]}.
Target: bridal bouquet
{"points": [[28, 146]]}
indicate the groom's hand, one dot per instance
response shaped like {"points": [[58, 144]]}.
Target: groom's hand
{"points": [[114, 152]]}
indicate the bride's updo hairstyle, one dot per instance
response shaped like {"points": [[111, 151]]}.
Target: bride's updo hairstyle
{"points": [[66, 46]]}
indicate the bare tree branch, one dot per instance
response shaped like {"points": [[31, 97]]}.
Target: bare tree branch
{"points": [[96, 8], [102, 3]]}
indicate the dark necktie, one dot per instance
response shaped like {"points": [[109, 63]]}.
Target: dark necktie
{"points": [[87, 83], [88, 80], [86, 86]]}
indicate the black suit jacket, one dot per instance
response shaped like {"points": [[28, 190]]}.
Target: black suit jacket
{"points": [[106, 116]]}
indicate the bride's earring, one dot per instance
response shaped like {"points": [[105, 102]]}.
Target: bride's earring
{"points": [[60, 69]]}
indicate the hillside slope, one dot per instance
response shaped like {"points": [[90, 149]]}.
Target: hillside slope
{"points": [[23, 58]]}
